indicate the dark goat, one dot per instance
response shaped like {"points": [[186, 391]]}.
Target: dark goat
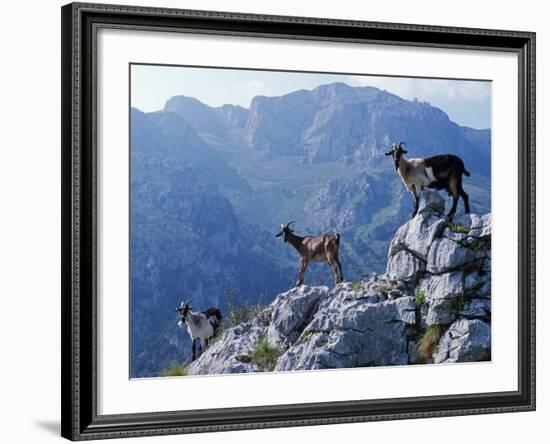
{"points": [[323, 248], [201, 325], [443, 172]]}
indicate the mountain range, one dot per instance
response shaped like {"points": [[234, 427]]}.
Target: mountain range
{"points": [[211, 185]]}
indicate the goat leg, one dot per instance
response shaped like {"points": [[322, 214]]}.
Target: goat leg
{"points": [[453, 208], [193, 349], [337, 279], [202, 342], [303, 266], [334, 267], [465, 198], [415, 196], [339, 268]]}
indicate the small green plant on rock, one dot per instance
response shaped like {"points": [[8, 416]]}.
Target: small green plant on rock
{"points": [[235, 315], [244, 358], [420, 297], [305, 335], [174, 370], [383, 289], [264, 355], [356, 286], [458, 228]]}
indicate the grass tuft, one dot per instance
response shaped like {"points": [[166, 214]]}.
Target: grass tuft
{"points": [[264, 355], [305, 335], [420, 297], [357, 286], [427, 344], [174, 370], [382, 288], [236, 315], [458, 228]]}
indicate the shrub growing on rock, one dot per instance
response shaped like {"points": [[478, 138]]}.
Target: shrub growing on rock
{"points": [[264, 355], [427, 344]]}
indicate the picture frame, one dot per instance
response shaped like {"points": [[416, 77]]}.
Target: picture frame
{"points": [[80, 212]]}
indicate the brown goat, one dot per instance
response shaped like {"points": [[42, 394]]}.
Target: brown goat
{"points": [[323, 248]]}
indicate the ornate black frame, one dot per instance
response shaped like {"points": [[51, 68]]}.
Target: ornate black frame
{"points": [[80, 420]]}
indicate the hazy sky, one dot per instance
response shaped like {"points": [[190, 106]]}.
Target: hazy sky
{"points": [[467, 102]]}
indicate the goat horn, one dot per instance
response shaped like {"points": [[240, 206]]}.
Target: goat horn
{"points": [[401, 143], [290, 223]]}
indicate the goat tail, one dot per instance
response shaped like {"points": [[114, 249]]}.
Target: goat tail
{"points": [[466, 172], [338, 238], [213, 314], [218, 314]]}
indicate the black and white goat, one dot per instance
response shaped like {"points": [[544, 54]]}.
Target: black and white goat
{"points": [[323, 248], [200, 325], [442, 172]]}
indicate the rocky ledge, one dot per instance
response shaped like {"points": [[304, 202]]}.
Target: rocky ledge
{"points": [[433, 305]]}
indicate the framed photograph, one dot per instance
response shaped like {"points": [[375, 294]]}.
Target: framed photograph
{"points": [[279, 221]]}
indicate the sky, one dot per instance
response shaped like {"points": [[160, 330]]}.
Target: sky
{"points": [[467, 102]]}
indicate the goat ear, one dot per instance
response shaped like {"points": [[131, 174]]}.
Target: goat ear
{"points": [[279, 234], [389, 153], [404, 151]]}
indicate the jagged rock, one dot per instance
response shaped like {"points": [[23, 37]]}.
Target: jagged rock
{"points": [[484, 230], [484, 291], [441, 293], [460, 238], [486, 266], [405, 266], [292, 311], [465, 341], [347, 331], [478, 226], [394, 294], [372, 296], [431, 202], [228, 354], [446, 255], [477, 308], [413, 354], [417, 235], [474, 281]]}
